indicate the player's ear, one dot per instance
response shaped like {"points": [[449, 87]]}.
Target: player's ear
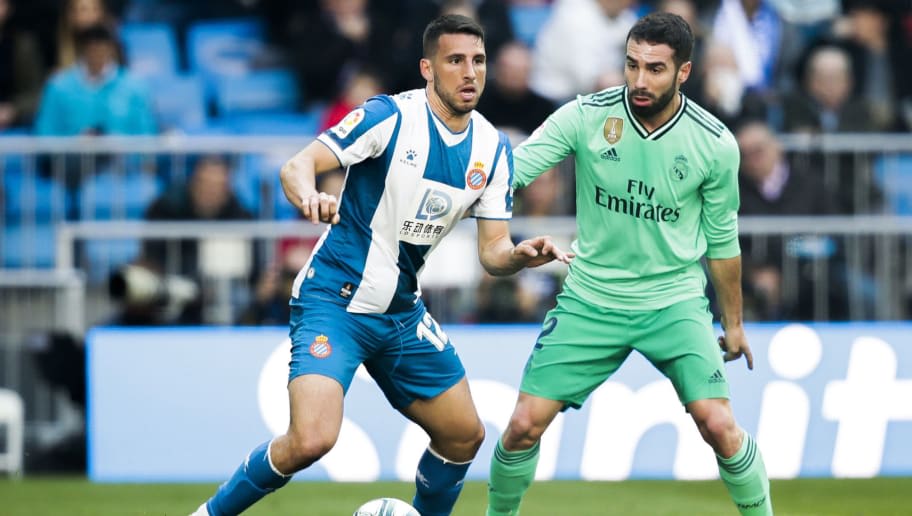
{"points": [[684, 72], [425, 66]]}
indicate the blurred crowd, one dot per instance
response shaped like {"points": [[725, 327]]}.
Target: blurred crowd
{"points": [[822, 65], [764, 67]]}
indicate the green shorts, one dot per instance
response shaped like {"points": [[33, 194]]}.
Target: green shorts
{"points": [[581, 346]]}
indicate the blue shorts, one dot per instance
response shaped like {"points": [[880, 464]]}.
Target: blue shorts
{"points": [[407, 353]]}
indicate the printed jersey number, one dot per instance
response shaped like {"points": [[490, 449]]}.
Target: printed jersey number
{"points": [[430, 330]]}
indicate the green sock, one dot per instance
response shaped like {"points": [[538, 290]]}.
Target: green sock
{"points": [[745, 477], [512, 473]]}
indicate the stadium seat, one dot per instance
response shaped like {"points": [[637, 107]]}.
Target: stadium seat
{"points": [[12, 417], [180, 102], [118, 194], [27, 246], [32, 197], [266, 91], [272, 124], [893, 173], [150, 48], [527, 20], [224, 48], [102, 257]]}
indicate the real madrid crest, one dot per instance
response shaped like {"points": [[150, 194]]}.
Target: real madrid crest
{"points": [[614, 129], [680, 169]]}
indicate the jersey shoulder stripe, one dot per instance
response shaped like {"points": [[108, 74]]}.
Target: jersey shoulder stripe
{"points": [[702, 122], [706, 116], [607, 97]]}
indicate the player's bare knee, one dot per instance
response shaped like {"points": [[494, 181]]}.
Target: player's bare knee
{"points": [[463, 447], [307, 448], [719, 430], [523, 432]]}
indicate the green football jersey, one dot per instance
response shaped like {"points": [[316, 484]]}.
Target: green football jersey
{"points": [[649, 205]]}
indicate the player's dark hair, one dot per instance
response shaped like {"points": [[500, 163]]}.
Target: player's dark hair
{"points": [[448, 24], [665, 28]]}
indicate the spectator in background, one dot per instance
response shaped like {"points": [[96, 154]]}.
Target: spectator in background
{"points": [[21, 72], [770, 184], [509, 103], [580, 49], [273, 289], [765, 46], [361, 85], [825, 102], [721, 89], [326, 45], [95, 95], [79, 15], [870, 37], [206, 197]]}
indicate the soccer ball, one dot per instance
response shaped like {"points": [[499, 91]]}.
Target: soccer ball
{"points": [[386, 507]]}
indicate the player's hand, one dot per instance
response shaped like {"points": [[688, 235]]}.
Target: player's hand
{"points": [[541, 250], [320, 207], [734, 344]]}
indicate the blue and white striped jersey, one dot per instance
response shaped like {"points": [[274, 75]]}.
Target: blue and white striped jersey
{"points": [[409, 180]]}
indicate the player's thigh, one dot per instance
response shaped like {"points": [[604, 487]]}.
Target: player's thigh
{"points": [[416, 361], [579, 347], [328, 341], [679, 340], [449, 416], [316, 403]]}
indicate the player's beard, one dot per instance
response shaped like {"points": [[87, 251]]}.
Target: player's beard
{"points": [[452, 103], [657, 105]]}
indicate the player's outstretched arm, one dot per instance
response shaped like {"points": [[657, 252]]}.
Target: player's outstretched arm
{"points": [[500, 257], [726, 278], [298, 176]]}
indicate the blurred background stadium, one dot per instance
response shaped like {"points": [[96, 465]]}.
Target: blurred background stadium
{"points": [[140, 142]]}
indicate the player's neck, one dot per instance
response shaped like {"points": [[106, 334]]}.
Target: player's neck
{"points": [[659, 119], [456, 122]]}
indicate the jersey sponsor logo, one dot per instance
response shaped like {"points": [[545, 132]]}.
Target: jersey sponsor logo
{"points": [[320, 347], [476, 178], [434, 205], [613, 130], [680, 169], [420, 232], [347, 124], [610, 155], [632, 203]]}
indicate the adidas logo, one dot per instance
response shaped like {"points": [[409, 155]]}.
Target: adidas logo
{"points": [[611, 155], [717, 377]]}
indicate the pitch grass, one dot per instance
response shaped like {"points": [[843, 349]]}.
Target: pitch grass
{"points": [[76, 496]]}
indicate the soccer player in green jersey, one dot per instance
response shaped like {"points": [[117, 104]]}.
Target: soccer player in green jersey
{"points": [[656, 191]]}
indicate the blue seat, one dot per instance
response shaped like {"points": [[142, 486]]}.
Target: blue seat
{"points": [[150, 48], [180, 102], [272, 124], [527, 20], [29, 246], [102, 257], [224, 48], [118, 194], [265, 91], [893, 173], [28, 196]]}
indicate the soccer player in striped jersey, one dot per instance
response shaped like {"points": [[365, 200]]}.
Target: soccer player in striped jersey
{"points": [[657, 191], [417, 163]]}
